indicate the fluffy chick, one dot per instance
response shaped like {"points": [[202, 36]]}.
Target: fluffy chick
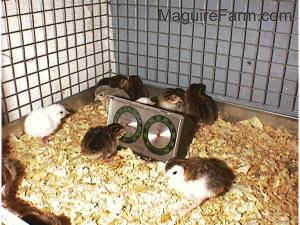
{"points": [[44, 121], [132, 85], [12, 174], [36, 218], [103, 92], [118, 81], [172, 99], [198, 178], [136, 88], [199, 106], [102, 141]]}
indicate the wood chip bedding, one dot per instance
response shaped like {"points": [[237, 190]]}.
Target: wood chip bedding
{"points": [[129, 190]]}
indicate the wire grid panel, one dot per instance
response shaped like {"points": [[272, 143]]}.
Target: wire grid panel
{"points": [[252, 63], [51, 49]]}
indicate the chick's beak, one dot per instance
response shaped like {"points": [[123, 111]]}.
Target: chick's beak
{"points": [[122, 133], [97, 99], [69, 110]]}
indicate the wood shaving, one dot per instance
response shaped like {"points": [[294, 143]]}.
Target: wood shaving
{"points": [[132, 191]]}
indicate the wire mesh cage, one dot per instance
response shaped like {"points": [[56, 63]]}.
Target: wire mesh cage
{"points": [[249, 62], [55, 49], [51, 50]]}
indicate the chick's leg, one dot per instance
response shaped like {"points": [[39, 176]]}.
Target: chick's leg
{"points": [[45, 140], [186, 210], [110, 157]]}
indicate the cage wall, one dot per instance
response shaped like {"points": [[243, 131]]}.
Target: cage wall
{"points": [[51, 49], [252, 63]]}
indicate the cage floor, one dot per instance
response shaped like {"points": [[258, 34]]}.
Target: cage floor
{"points": [[132, 191]]}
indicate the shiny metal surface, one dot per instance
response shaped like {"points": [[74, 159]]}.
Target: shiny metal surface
{"points": [[159, 135], [129, 122], [156, 141]]}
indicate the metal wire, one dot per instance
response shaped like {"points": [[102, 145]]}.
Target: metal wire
{"points": [[229, 52], [242, 89], [271, 57], [87, 60], [192, 46], [216, 51], [11, 59], [286, 61], [204, 42], [256, 55], [243, 53], [60, 79], [108, 31], [168, 54]]}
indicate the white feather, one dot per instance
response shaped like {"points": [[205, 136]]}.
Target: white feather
{"points": [[44, 121], [145, 100], [192, 189], [167, 105]]}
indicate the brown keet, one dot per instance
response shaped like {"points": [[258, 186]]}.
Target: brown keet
{"points": [[172, 99], [118, 81], [12, 174], [198, 178], [199, 106], [102, 141], [135, 88], [102, 94], [111, 86], [132, 85], [37, 218], [33, 215]]}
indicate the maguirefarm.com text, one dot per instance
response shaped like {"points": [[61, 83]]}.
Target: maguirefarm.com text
{"points": [[198, 16]]}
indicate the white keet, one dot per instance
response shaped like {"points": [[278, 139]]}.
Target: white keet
{"points": [[195, 190], [44, 121], [198, 179]]}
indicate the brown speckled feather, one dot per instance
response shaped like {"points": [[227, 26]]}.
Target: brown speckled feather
{"points": [[114, 82], [219, 175], [102, 141], [199, 105], [136, 89], [13, 172], [172, 99]]}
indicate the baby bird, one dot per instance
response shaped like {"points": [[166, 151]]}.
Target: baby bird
{"points": [[12, 174], [102, 141], [118, 81], [32, 215], [36, 218], [103, 92], [135, 88], [198, 178], [44, 121], [199, 106], [132, 85], [172, 99]]}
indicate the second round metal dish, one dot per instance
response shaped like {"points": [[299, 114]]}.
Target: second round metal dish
{"points": [[159, 134]]}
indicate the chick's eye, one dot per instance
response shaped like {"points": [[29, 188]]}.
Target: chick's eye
{"points": [[117, 130], [61, 112], [175, 172]]}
